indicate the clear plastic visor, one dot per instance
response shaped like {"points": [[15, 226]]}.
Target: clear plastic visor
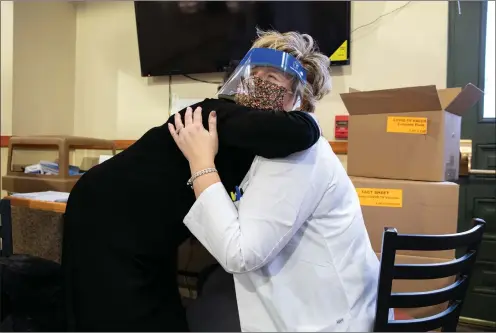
{"points": [[266, 81]]}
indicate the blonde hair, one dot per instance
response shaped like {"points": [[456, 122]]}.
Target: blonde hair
{"points": [[303, 48]]}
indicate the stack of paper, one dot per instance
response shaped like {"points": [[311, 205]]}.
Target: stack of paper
{"points": [[50, 196], [50, 168]]}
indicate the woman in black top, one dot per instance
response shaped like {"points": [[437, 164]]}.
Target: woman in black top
{"points": [[123, 222]]}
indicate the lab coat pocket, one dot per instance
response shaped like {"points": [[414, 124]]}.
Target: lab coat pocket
{"points": [[237, 194]]}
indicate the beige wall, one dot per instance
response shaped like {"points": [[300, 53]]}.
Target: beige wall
{"points": [[76, 66], [38, 42], [6, 59], [112, 100], [406, 48], [44, 68]]}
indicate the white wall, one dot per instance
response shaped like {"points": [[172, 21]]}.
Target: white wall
{"points": [[408, 47]]}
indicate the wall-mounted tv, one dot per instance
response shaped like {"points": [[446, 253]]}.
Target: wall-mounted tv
{"points": [[187, 37]]}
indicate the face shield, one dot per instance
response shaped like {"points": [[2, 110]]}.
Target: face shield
{"points": [[266, 79]]}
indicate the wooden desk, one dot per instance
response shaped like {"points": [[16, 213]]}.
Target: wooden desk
{"points": [[37, 230], [57, 207], [37, 227]]}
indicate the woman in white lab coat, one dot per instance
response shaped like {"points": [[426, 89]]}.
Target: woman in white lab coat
{"points": [[292, 233]]}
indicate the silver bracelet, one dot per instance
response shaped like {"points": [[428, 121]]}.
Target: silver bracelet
{"points": [[199, 174]]}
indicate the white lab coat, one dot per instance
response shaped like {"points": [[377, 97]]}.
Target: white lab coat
{"points": [[296, 244]]}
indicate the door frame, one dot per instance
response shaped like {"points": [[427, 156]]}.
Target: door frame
{"points": [[466, 51], [466, 63]]}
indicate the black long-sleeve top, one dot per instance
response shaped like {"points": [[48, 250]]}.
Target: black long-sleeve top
{"points": [[123, 221]]}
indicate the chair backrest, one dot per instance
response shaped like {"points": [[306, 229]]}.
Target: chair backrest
{"points": [[6, 247], [453, 294]]}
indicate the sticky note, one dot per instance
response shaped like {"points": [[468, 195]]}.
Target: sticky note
{"points": [[380, 197], [409, 125], [341, 53]]}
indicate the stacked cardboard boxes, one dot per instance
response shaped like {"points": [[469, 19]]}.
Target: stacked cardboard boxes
{"points": [[403, 154]]}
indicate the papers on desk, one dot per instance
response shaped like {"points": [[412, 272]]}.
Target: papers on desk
{"points": [[50, 168], [50, 196], [103, 158]]}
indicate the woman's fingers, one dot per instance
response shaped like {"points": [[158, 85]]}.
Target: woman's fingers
{"points": [[173, 132], [212, 123], [178, 122], [197, 116], [188, 117]]}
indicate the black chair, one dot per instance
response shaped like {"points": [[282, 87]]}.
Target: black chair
{"points": [[5, 229], [453, 294], [6, 247]]}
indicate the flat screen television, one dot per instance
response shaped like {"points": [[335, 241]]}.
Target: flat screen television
{"points": [[188, 37]]}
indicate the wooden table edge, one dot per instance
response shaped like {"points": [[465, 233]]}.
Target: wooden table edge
{"points": [[58, 207]]}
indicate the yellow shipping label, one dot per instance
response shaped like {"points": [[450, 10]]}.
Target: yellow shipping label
{"points": [[380, 197], [411, 125]]}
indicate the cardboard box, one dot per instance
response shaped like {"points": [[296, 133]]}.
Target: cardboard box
{"points": [[407, 133], [421, 285], [412, 207]]}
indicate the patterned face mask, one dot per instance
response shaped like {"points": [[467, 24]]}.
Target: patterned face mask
{"points": [[261, 94]]}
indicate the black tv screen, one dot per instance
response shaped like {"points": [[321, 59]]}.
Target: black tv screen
{"points": [[187, 37]]}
